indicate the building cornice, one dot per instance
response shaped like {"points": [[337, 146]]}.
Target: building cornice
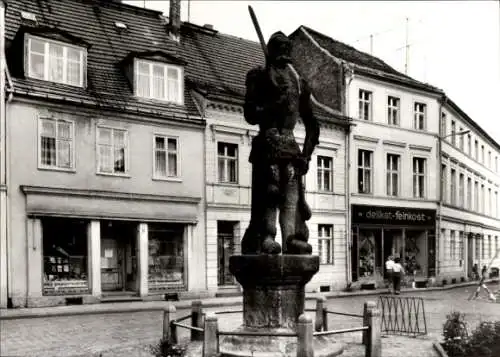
{"points": [[394, 143], [117, 195], [420, 147]]}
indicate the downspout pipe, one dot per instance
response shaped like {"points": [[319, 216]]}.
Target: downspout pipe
{"points": [[348, 77], [439, 153]]}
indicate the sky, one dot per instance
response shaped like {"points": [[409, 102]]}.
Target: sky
{"points": [[453, 45]]}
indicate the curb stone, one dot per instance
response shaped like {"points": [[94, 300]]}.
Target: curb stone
{"points": [[95, 309]]}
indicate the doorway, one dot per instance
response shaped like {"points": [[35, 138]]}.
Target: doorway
{"points": [[118, 256], [225, 248], [470, 255]]}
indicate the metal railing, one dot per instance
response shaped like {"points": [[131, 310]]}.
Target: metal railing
{"points": [[402, 315], [204, 327]]}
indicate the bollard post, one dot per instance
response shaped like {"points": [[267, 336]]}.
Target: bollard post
{"points": [[196, 320], [305, 337], [325, 319], [373, 346], [210, 338], [320, 308], [367, 306], [168, 329]]}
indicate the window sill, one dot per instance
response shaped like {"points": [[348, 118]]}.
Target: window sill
{"points": [[168, 179], [230, 184], [113, 174], [153, 100], [60, 169], [324, 192]]}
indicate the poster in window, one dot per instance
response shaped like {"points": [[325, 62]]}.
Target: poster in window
{"points": [[59, 268], [66, 268]]}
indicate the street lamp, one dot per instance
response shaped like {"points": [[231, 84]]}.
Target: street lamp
{"points": [[456, 134]]}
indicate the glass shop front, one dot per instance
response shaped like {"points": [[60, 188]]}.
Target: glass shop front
{"points": [[381, 231]]}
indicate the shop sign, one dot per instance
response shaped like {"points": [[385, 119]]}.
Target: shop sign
{"points": [[393, 215]]}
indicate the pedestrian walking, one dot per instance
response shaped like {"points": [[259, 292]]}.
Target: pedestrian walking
{"points": [[388, 272], [397, 273]]}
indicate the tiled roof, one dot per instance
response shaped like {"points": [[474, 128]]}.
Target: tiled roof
{"points": [[218, 64], [94, 22], [364, 62]]}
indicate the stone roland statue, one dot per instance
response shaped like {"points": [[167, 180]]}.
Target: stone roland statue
{"points": [[276, 98]]}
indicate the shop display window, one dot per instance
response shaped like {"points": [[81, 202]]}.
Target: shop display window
{"points": [[166, 257], [65, 257]]}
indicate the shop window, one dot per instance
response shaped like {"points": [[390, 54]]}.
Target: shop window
{"points": [[64, 256], [226, 247], [478, 247], [227, 155], [366, 253], [166, 265], [112, 150], [325, 243], [365, 171], [325, 174]]}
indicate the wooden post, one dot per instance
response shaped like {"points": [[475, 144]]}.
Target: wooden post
{"points": [[325, 319], [373, 346], [319, 322], [367, 306], [305, 337], [196, 320], [168, 332], [210, 338]]}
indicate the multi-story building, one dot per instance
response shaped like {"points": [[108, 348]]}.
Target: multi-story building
{"points": [[104, 191], [469, 212], [392, 152], [222, 64]]}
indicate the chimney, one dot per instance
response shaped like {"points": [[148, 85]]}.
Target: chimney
{"points": [[209, 26], [175, 19]]}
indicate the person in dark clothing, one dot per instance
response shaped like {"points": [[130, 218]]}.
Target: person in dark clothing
{"points": [[397, 273]]}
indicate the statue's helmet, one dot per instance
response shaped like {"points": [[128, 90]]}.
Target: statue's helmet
{"points": [[279, 48]]}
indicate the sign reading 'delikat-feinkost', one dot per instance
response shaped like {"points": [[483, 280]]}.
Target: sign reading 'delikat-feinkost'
{"points": [[393, 215]]}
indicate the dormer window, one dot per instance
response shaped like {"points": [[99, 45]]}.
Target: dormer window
{"points": [[55, 61], [161, 81]]}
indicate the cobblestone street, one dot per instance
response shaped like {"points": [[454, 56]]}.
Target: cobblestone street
{"points": [[129, 334]]}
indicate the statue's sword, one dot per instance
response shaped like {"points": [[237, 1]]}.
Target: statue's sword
{"points": [[264, 49]]}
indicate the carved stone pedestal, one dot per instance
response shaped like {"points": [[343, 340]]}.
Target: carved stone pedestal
{"points": [[273, 299]]}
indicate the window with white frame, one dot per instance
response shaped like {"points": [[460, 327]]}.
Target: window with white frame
{"points": [[443, 124], [55, 61], [444, 183], [365, 105], [227, 157], [325, 173], [419, 172], [490, 199], [365, 171], [453, 246], [56, 143], [476, 150], [166, 160], [159, 81], [461, 190], [325, 243], [476, 196], [453, 186], [392, 176], [393, 109], [482, 155], [453, 135], [497, 213], [461, 140], [482, 200], [112, 146], [469, 144], [420, 112], [489, 160], [461, 245], [469, 193]]}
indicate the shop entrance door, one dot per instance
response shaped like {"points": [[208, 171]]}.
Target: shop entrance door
{"points": [[470, 255], [225, 248], [112, 267]]}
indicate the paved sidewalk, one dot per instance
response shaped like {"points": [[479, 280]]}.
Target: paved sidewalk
{"points": [[135, 306]]}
